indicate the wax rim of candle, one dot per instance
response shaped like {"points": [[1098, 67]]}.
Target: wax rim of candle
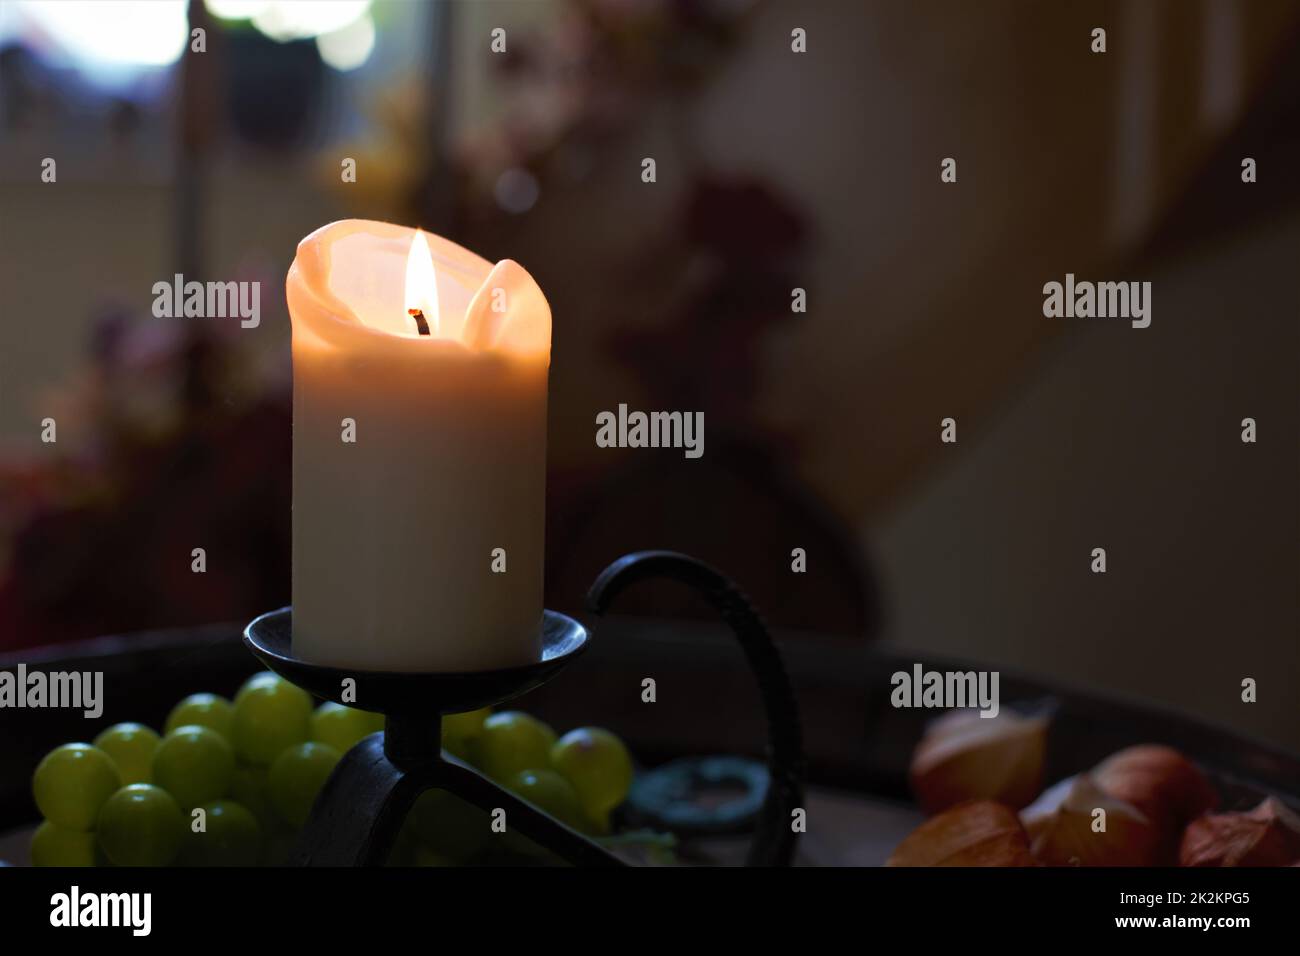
{"points": [[309, 290], [522, 329]]}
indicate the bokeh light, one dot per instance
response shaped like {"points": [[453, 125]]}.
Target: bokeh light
{"points": [[102, 36], [350, 47]]}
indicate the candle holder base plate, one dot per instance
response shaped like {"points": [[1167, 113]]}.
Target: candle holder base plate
{"points": [[269, 637]]}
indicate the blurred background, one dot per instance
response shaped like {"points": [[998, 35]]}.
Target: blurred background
{"points": [[775, 169]]}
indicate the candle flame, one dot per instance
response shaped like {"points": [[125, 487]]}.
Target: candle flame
{"points": [[422, 282]]}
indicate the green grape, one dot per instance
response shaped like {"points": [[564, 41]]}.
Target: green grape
{"points": [[251, 790], [273, 824], [297, 776], [342, 727], [403, 850], [597, 764], [231, 837], [72, 782], [511, 742], [141, 825], [547, 790], [454, 828], [202, 710], [131, 746], [54, 845], [462, 732], [194, 764], [374, 723], [271, 715]]}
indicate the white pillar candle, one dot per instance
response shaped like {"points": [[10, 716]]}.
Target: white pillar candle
{"points": [[395, 533]]}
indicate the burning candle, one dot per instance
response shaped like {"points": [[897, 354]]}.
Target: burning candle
{"points": [[419, 452]]}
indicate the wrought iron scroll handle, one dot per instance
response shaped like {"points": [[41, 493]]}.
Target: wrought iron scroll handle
{"points": [[775, 837]]}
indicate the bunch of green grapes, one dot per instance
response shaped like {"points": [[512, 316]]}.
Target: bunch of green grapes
{"points": [[252, 766], [255, 765], [579, 779]]}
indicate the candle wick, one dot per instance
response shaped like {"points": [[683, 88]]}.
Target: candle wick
{"points": [[420, 324]]}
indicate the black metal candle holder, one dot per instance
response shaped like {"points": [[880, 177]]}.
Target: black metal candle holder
{"points": [[360, 810]]}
